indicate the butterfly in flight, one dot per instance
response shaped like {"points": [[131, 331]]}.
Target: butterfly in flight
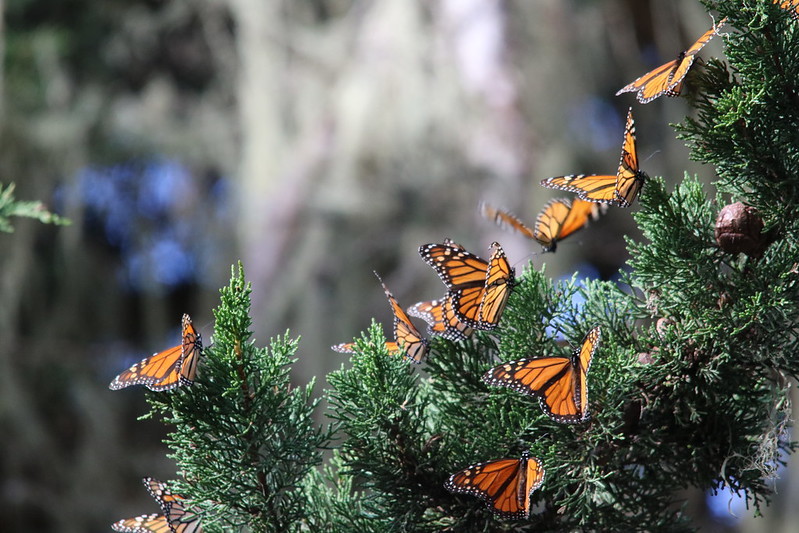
{"points": [[620, 189], [408, 340], [504, 484], [166, 370], [790, 5], [560, 383], [174, 518], [668, 78], [560, 218], [441, 319], [478, 289]]}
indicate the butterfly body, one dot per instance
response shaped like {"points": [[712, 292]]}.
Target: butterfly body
{"points": [[667, 79], [478, 289], [504, 484], [168, 369], [560, 383], [620, 189]]}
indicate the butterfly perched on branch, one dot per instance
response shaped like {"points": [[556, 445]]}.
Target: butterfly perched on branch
{"points": [[560, 383], [504, 484], [166, 370]]}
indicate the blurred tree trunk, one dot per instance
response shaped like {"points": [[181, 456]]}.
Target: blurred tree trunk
{"points": [[260, 28]]}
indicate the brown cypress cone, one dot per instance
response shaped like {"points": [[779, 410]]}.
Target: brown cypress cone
{"points": [[739, 229]]}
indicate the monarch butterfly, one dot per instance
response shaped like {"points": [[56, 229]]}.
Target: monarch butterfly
{"points": [[408, 339], [504, 484], [478, 289], [559, 382], [620, 189], [560, 218], [667, 79], [790, 5], [175, 517], [441, 319], [166, 370]]}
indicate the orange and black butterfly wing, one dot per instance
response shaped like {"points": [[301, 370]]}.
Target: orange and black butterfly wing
{"points": [[168, 369], [455, 266], [465, 276], [158, 372], [349, 347], [191, 349], [500, 279], [654, 83], [344, 347], [630, 179], [153, 523], [582, 359], [667, 78], [790, 5], [432, 312], [552, 379], [561, 217], [415, 346], [686, 59], [455, 330], [504, 484], [590, 187], [506, 220], [550, 221], [441, 319], [178, 518], [560, 383]]}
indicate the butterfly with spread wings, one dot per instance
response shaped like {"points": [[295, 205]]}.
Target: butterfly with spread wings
{"points": [[174, 517], [166, 370], [408, 340], [560, 218], [560, 383], [504, 484], [620, 189], [441, 319], [668, 78], [478, 289]]}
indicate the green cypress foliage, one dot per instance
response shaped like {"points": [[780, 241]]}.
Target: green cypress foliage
{"points": [[244, 438], [687, 389], [11, 207]]}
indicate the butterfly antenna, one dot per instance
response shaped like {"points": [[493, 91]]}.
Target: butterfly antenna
{"points": [[651, 156], [530, 255]]}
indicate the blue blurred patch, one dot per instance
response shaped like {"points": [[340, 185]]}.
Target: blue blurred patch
{"points": [[596, 123], [148, 213], [585, 272]]}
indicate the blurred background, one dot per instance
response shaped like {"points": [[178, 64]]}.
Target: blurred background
{"points": [[315, 140]]}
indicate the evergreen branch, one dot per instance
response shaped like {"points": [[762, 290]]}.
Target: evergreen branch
{"points": [[10, 207], [244, 440]]}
